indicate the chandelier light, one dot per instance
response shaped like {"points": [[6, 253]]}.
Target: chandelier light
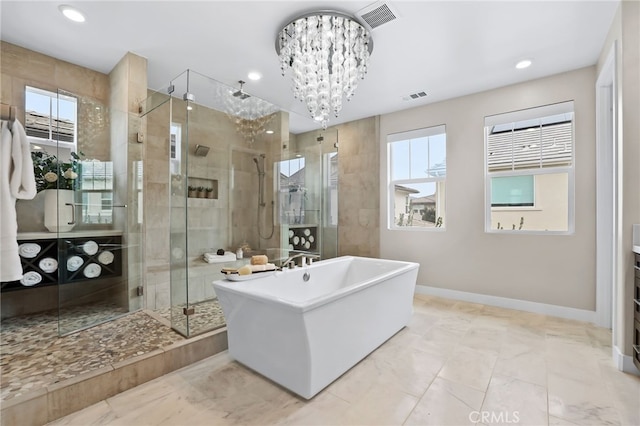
{"points": [[328, 53]]}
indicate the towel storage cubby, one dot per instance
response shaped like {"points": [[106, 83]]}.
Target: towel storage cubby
{"points": [[78, 259]]}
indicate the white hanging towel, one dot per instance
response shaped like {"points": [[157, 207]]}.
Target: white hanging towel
{"points": [[17, 181]]}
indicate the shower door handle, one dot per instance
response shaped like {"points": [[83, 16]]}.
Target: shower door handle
{"points": [[73, 213]]}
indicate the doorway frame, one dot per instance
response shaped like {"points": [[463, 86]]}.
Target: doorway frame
{"points": [[608, 197]]}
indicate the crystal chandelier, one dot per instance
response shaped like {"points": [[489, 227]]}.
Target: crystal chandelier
{"points": [[328, 53]]}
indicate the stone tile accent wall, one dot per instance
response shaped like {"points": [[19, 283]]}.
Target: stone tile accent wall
{"points": [[358, 188], [22, 67]]}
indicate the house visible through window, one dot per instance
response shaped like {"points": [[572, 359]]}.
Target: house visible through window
{"points": [[175, 138], [96, 188], [529, 169], [512, 191], [292, 190], [51, 119], [417, 170]]}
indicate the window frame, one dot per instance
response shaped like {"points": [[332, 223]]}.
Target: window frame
{"points": [[81, 191], [522, 115], [391, 184], [34, 141]]}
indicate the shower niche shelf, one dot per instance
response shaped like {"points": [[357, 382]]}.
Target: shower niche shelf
{"points": [[197, 182]]}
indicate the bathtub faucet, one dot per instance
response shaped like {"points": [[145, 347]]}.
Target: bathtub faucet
{"points": [[303, 256]]}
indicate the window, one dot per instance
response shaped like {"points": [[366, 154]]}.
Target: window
{"points": [[512, 191], [292, 190], [175, 139], [96, 188], [417, 170], [51, 118], [330, 176], [529, 170]]}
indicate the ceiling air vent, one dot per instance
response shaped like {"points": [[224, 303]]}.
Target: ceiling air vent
{"points": [[377, 14], [413, 96]]}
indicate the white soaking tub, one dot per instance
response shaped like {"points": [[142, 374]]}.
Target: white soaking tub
{"points": [[304, 335]]}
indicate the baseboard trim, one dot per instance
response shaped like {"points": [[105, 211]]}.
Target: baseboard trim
{"points": [[503, 302], [624, 362]]}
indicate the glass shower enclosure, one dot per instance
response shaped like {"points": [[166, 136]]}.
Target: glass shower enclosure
{"points": [[239, 184], [83, 224]]}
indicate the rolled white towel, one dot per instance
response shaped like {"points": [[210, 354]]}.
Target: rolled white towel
{"points": [[48, 264], [74, 263], [106, 257], [29, 250], [31, 278], [92, 270], [90, 247]]}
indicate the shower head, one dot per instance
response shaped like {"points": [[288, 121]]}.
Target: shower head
{"points": [[241, 93], [201, 151]]}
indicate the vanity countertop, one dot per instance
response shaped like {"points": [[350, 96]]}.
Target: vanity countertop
{"points": [[77, 234]]}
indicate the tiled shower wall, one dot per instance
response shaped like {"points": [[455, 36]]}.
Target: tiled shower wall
{"points": [[223, 223], [358, 188], [128, 81]]}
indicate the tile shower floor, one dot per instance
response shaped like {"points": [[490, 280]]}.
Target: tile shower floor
{"points": [[455, 362], [208, 316], [32, 356]]}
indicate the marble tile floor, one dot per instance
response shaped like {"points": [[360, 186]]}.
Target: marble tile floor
{"points": [[32, 356], [456, 363]]}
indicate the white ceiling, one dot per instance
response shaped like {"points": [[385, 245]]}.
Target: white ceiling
{"points": [[445, 48]]}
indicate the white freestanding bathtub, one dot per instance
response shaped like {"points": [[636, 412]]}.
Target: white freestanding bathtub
{"points": [[304, 335]]}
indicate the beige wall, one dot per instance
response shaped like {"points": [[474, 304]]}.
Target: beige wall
{"points": [[624, 31], [551, 269]]}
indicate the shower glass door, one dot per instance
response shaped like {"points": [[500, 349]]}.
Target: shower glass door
{"points": [[308, 194], [88, 212], [224, 150]]}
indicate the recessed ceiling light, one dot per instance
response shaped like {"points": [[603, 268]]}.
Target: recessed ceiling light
{"points": [[71, 13], [254, 75], [525, 63]]}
